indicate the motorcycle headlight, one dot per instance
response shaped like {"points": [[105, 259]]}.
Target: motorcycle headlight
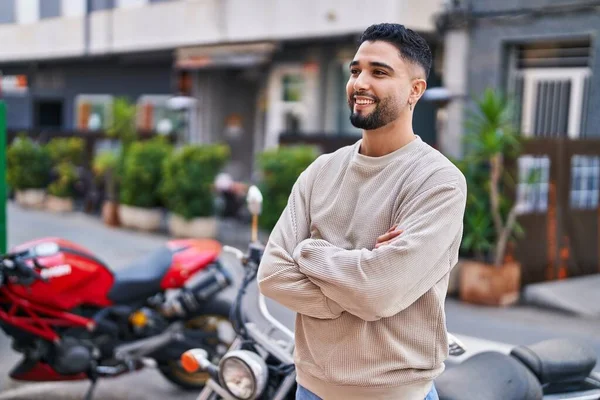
{"points": [[244, 374]]}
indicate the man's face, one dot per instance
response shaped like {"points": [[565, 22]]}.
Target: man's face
{"points": [[379, 86]]}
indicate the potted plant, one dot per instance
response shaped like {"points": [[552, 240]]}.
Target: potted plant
{"points": [[62, 189], [187, 189], [280, 168], [28, 171], [490, 275], [140, 181], [67, 155], [104, 167]]}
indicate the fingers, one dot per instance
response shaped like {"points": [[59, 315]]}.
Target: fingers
{"points": [[389, 235], [380, 244]]}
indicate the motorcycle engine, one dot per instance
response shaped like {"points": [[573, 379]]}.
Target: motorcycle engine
{"points": [[72, 356], [147, 322]]}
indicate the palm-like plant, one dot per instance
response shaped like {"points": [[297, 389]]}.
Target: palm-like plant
{"points": [[490, 138]]}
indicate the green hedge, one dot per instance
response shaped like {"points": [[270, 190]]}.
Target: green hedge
{"points": [[142, 173], [280, 169], [64, 184], [28, 164], [188, 177], [70, 150], [66, 154]]}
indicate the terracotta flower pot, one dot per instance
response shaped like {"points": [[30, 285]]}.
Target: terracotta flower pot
{"points": [[486, 284], [110, 213]]}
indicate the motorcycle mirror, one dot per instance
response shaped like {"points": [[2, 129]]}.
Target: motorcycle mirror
{"points": [[254, 200]]}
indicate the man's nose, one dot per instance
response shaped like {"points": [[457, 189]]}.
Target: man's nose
{"points": [[361, 83]]}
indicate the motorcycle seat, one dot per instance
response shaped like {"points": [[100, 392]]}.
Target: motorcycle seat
{"points": [[141, 278], [488, 376], [557, 360]]}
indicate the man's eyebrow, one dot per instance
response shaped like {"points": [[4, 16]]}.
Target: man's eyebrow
{"points": [[374, 64]]}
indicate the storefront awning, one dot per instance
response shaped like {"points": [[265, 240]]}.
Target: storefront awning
{"points": [[231, 55]]}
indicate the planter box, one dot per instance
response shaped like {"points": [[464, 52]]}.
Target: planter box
{"points": [[204, 227], [143, 219], [110, 213], [59, 204], [454, 280], [33, 198], [488, 285]]}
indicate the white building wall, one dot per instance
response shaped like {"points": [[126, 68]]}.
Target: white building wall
{"points": [[27, 11], [138, 25], [131, 3], [72, 8]]}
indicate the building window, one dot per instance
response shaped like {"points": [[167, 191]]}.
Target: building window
{"points": [[7, 11], [532, 189], [551, 83], [292, 87], [344, 124], [98, 5], [153, 114], [93, 112], [49, 9], [585, 176]]}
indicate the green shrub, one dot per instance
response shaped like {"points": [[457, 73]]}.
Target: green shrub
{"points": [[491, 214], [104, 162], [70, 150], [188, 177], [66, 154], [142, 173], [280, 169], [28, 164], [122, 126], [64, 184]]}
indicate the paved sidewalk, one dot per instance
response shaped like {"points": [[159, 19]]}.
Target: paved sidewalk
{"points": [[117, 247]]}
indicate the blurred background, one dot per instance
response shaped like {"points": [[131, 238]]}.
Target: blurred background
{"points": [[129, 122]]}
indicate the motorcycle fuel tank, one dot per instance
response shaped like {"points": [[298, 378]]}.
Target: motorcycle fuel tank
{"points": [[74, 275]]}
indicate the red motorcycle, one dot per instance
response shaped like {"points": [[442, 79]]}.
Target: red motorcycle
{"points": [[74, 318]]}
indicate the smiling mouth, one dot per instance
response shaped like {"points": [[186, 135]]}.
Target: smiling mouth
{"points": [[363, 100]]}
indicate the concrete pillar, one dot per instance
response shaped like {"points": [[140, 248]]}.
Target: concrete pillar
{"points": [[456, 46]]}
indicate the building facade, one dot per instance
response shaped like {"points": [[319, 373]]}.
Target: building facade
{"points": [[251, 70]]}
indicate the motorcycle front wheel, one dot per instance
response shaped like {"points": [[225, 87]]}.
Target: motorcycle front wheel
{"points": [[211, 331]]}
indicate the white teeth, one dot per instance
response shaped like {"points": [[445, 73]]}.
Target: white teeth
{"points": [[363, 102]]}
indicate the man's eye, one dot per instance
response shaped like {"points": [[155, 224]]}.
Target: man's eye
{"points": [[379, 72], [354, 71]]}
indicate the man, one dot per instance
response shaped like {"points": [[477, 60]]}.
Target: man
{"points": [[369, 295]]}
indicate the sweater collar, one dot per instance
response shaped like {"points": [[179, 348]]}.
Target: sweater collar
{"points": [[386, 159]]}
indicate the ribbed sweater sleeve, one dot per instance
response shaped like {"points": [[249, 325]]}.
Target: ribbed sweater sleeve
{"points": [[378, 283], [278, 275]]}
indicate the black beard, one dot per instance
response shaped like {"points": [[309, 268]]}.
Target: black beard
{"points": [[381, 116]]}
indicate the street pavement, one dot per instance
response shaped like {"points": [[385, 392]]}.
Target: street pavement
{"points": [[117, 247]]}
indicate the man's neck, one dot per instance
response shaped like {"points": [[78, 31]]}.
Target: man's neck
{"points": [[387, 139]]}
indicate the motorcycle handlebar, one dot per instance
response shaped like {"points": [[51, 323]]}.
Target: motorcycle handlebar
{"points": [[16, 267], [235, 251]]}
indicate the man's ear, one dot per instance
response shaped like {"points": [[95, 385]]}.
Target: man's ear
{"points": [[418, 87]]}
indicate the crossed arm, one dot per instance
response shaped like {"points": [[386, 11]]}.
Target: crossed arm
{"points": [[315, 278], [278, 274]]}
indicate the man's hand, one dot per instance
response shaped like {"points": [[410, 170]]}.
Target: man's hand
{"points": [[387, 237]]}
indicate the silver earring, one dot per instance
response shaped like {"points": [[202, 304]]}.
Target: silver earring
{"points": [[410, 106]]}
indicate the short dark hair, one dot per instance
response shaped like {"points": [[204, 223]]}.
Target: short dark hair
{"points": [[411, 45]]}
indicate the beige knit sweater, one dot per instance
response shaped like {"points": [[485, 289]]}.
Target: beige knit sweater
{"points": [[371, 322]]}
